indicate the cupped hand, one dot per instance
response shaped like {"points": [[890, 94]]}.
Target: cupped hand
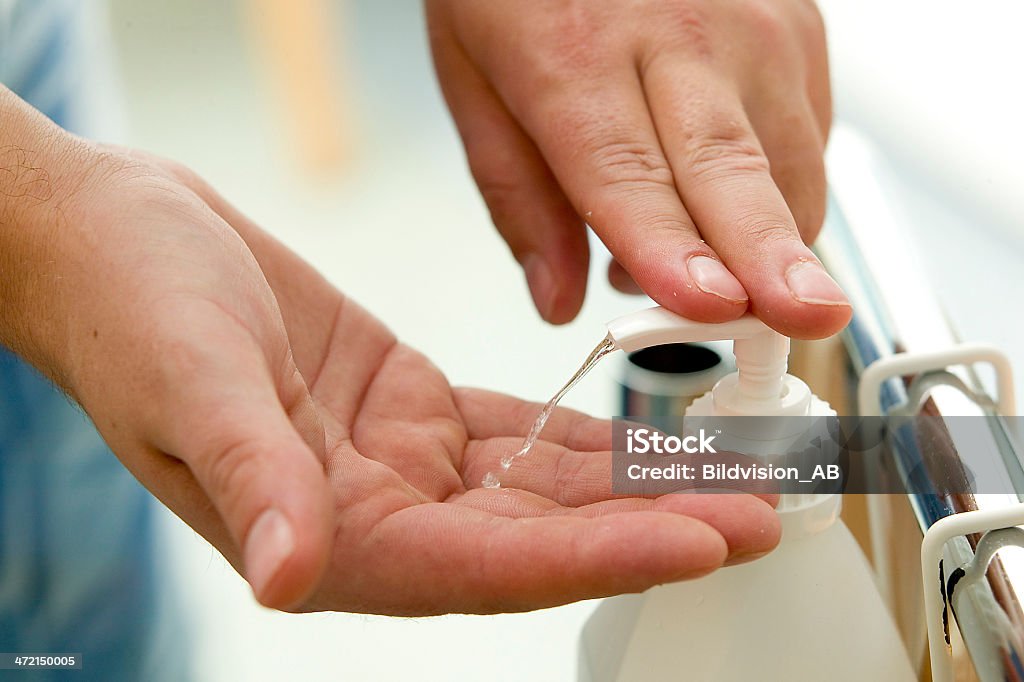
{"points": [[688, 133], [415, 533], [333, 466]]}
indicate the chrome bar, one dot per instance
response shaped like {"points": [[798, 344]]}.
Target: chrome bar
{"points": [[866, 249]]}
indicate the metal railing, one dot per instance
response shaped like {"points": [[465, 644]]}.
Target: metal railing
{"points": [[867, 251]]}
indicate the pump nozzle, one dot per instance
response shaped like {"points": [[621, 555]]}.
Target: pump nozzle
{"points": [[760, 386]]}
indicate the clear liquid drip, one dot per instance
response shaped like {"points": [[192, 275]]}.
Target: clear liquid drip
{"points": [[606, 346]]}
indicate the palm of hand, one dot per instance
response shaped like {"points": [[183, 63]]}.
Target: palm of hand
{"points": [[405, 455]]}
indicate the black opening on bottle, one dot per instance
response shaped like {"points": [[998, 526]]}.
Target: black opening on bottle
{"points": [[676, 358]]}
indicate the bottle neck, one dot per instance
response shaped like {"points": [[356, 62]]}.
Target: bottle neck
{"points": [[792, 398], [762, 362]]}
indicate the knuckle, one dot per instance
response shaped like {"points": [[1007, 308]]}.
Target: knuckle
{"points": [[611, 148], [656, 221], [685, 25], [762, 227], [572, 33], [629, 165], [724, 150], [567, 44], [232, 468]]}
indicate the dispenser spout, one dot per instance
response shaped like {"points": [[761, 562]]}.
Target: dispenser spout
{"points": [[761, 352], [657, 326]]}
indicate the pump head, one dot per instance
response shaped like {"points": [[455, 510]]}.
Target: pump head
{"points": [[760, 386]]}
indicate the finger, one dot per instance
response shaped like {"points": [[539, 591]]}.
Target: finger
{"points": [[811, 26], [527, 563], [598, 137], [426, 458], [724, 178], [570, 463], [236, 430], [795, 147], [749, 525], [543, 231], [620, 278], [487, 414], [565, 476]]}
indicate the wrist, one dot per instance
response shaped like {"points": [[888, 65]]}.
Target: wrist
{"points": [[42, 170]]}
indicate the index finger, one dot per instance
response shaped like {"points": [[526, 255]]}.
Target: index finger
{"points": [[599, 140], [725, 179]]}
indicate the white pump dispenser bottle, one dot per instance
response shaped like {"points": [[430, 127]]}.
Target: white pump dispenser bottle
{"points": [[807, 611]]}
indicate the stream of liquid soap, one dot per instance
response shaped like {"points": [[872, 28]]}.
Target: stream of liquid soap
{"points": [[607, 345]]}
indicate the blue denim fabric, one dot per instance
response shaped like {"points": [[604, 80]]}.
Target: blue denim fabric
{"points": [[76, 571]]}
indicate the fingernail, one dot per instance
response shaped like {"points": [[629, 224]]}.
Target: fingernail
{"points": [[541, 282], [712, 277], [741, 558], [270, 542], [809, 283]]}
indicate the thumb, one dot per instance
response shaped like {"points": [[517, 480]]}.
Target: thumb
{"points": [[237, 433]]}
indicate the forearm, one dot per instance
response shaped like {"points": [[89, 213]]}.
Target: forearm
{"points": [[40, 173]]}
